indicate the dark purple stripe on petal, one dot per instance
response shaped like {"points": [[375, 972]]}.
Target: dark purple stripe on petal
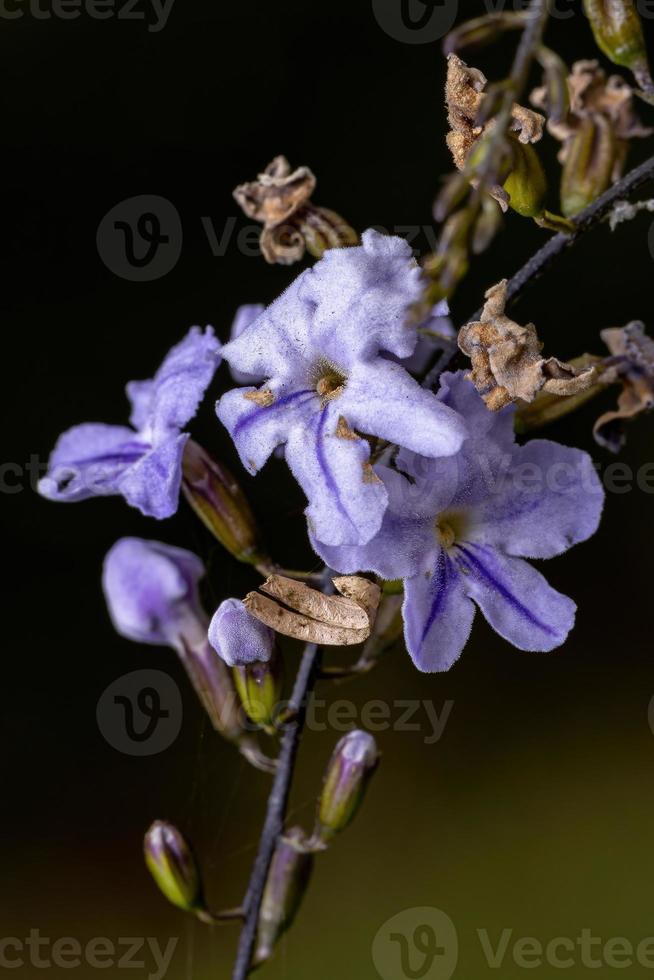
{"points": [[245, 422], [332, 486], [127, 454], [441, 583], [475, 565]]}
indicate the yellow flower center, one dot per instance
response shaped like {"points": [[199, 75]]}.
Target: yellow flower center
{"points": [[328, 380], [450, 527]]}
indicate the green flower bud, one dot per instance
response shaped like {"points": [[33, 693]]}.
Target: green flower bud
{"points": [[288, 878], [219, 502], [590, 158], [618, 32], [172, 865], [353, 762], [259, 686], [526, 185]]}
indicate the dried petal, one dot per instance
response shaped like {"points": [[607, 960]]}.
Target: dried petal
{"points": [[280, 200], [632, 366], [277, 193], [600, 122], [464, 96], [294, 609], [506, 361]]}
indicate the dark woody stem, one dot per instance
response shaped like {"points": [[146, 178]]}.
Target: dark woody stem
{"points": [[309, 669], [586, 220], [591, 216], [277, 801]]}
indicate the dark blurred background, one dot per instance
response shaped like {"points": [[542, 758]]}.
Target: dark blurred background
{"points": [[533, 811]]}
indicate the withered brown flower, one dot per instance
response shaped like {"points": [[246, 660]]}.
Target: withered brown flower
{"points": [[281, 200], [506, 358], [631, 366], [294, 609], [594, 133], [464, 96]]}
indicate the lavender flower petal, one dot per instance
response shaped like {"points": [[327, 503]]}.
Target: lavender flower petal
{"points": [[405, 544], [238, 637], [361, 297], [550, 499], [151, 590], [257, 429], [152, 484], [245, 316], [346, 499], [515, 598], [384, 400], [170, 400], [89, 460], [437, 616]]}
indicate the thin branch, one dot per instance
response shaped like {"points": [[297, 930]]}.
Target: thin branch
{"points": [[585, 221], [277, 802], [588, 219]]}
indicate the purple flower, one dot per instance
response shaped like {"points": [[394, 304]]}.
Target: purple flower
{"points": [[144, 463], [238, 637], [320, 346], [457, 534], [244, 316], [151, 590]]}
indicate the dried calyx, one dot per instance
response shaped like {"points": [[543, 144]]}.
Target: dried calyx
{"points": [[506, 358], [281, 200], [465, 97], [632, 366], [595, 132]]}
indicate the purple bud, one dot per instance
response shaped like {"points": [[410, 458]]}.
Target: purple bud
{"points": [[219, 502], [173, 867], [353, 762], [288, 878], [238, 637], [151, 591]]}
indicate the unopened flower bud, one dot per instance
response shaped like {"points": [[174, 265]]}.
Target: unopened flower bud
{"points": [[219, 502], [353, 762], [171, 863], [526, 185], [590, 158], [238, 637], [259, 686], [151, 590], [288, 878], [618, 32]]}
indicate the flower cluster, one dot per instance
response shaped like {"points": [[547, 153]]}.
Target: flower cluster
{"points": [[402, 482]]}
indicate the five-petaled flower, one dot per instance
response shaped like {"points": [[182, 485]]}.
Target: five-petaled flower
{"points": [[458, 532], [321, 345], [144, 463]]}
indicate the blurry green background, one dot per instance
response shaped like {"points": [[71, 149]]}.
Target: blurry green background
{"points": [[534, 810]]}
